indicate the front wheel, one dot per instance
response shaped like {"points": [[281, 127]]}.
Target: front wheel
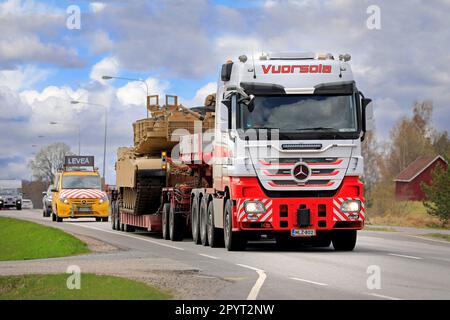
{"points": [[234, 241], [344, 240], [53, 217]]}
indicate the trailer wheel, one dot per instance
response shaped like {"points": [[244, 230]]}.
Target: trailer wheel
{"points": [[344, 240], [215, 235], [165, 221], [234, 241], [195, 225], [113, 215], [175, 226], [204, 221]]}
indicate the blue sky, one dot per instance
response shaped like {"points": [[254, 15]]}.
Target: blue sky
{"points": [[178, 47]]}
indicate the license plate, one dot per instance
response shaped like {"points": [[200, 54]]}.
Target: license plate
{"points": [[303, 232], [85, 209]]}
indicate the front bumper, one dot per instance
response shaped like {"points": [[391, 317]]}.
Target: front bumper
{"points": [[285, 214], [74, 210]]}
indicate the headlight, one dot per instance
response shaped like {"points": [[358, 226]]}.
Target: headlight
{"points": [[104, 199], [254, 207], [351, 206], [64, 200]]}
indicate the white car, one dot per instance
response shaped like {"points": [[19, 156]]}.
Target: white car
{"points": [[27, 204]]}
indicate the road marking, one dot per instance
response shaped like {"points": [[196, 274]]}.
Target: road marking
{"points": [[259, 282], [425, 238], [130, 236], [383, 296], [404, 256], [208, 256], [309, 281]]}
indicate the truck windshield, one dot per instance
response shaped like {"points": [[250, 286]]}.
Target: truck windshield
{"points": [[80, 182], [301, 113]]}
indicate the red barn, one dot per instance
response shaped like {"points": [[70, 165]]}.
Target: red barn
{"points": [[407, 183]]}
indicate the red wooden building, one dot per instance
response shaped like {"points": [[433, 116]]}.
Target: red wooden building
{"points": [[407, 183]]}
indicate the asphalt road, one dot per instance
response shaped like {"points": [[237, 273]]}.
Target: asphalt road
{"points": [[409, 267]]}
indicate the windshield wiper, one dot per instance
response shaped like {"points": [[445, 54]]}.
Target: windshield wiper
{"points": [[318, 128]]}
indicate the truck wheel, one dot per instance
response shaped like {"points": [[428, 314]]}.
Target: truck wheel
{"points": [[105, 219], [344, 240], [98, 219], [58, 219], [215, 235], [203, 221], [19, 207], [233, 240], [175, 226], [113, 216], [195, 226], [165, 221], [53, 217], [117, 219], [128, 228]]}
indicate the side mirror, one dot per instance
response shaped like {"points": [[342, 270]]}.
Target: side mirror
{"points": [[366, 116], [251, 103]]}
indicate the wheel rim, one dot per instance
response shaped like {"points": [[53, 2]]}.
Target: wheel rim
{"points": [[209, 226]]}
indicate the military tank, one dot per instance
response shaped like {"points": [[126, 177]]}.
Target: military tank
{"points": [[144, 169]]}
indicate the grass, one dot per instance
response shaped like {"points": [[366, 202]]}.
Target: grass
{"points": [[24, 240], [440, 236], [92, 287], [379, 229], [404, 214]]}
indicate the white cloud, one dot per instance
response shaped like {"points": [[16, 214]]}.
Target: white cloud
{"points": [[107, 66], [96, 7], [133, 93], [200, 95], [23, 77]]}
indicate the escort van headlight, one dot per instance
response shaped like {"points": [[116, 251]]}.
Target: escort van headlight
{"points": [[351, 206], [104, 199], [64, 200], [254, 207]]}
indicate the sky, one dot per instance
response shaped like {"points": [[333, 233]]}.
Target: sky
{"points": [[178, 47]]}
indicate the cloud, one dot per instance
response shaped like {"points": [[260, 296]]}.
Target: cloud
{"points": [[107, 66], [23, 77], [133, 93], [200, 95], [96, 7], [32, 33]]}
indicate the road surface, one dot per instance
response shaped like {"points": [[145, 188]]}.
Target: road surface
{"points": [[409, 267]]}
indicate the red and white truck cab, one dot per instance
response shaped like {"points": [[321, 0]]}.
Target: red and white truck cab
{"points": [[286, 153]]}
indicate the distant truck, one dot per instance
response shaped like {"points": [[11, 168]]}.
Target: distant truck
{"points": [[77, 191], [11, 194]]}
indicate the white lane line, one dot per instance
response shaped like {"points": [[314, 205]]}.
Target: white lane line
{"points": [[130, 236], [259, 282], [208, 256], [404, 256], [309, 281], [433, 240], [383, 296]]}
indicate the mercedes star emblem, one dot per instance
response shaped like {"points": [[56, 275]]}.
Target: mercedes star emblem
{"points": [[301, 172]]}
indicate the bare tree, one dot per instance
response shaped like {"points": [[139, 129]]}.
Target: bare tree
{"points": [[48, 160]]}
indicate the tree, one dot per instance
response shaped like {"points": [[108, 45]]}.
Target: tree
{"points": [[410, 139], [48, 160], [441, 144], [438, 194]]}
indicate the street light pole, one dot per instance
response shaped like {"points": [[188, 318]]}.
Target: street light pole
{"points": [[132, 79], [106, 129]]}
